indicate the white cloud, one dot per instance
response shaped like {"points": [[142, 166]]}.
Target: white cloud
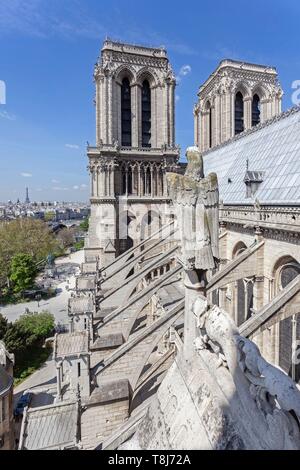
{"points": [[26, 175], [55, 181], [59, 188], [185, 70], [82, 187], [177, 98], [72, 146], [7, 115]]}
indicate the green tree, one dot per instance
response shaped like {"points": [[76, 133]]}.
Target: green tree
{"points": [[66, 237], [49, 216], [3, 326], [28, 236], [23, 272], [84, 225], [28, 332]]}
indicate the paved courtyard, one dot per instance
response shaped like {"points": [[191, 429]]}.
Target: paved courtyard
{"points": [[58, 305]]}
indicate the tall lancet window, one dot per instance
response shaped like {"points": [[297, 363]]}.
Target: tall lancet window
{"points": [[146, 114], [239, 113], [255, 110], [209, 124], [126, 113]]}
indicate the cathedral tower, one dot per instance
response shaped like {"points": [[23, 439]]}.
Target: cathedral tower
{"points": [[135, 147], [235, 97]]}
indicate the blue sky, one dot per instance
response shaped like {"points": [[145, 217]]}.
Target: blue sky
{"points": [[48, 49]]}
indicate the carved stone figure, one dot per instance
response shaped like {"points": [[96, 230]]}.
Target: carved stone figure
{"points": [[196, 203], [270, 399]]}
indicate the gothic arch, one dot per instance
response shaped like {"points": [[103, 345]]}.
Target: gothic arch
{"points": [[284, 269], [238, 248], [259, 90], [125, 239], [146, 74], [149, 219], [244, 89], [125, 71]]}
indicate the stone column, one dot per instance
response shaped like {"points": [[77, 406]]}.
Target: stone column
{"points": [[172, 113], [109, 110], [258, 293], [152, 181], [135, 91], [98, 112], [58, 378], [217, 119], [92, 176], [247, 113], [222, 297], [194, 285]]}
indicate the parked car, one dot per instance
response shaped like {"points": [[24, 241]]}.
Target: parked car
{"points": [[22, 403]]}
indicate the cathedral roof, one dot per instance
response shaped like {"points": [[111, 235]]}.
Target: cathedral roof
{"points": [[70, 344], [50, 427], [271, 148]]}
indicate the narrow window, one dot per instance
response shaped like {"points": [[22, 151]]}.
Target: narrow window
{"points": [[78, 369], [239, 113], [209, 124], [126, 113], [255, 110], [146, 114]]}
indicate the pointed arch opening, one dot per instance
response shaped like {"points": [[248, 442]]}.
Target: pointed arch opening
{"points": [[146, 114], [209, 124], [126, 113], [239, 113], [255, 110]]}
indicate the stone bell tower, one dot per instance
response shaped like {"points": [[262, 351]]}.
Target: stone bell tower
{"points": [[135, 147], [234, 98]]}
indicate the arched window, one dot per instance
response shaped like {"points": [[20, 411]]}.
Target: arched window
{"points": [[146, 114], [255, 110], [239, 113], [126, 113], [288, 273], [286, 270], [209, 124]]}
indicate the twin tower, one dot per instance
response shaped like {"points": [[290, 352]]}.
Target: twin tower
{"points": [[135, 136]]}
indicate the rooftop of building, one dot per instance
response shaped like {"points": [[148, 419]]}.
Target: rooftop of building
{"points": [[81, 304], [272, 148], [238, 65], [118, 46], [50, 427], [71, 344]]}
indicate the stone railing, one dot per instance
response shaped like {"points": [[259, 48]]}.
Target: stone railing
{"points": [[266, 216]]}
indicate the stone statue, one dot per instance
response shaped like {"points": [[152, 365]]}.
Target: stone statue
{"points": [[195, 200], [270, 399], [196, 203]]}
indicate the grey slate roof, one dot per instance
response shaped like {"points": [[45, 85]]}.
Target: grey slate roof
{"points": [[50, 427], [85, 283], [69, 344], [272, 148], [81, 304]]}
